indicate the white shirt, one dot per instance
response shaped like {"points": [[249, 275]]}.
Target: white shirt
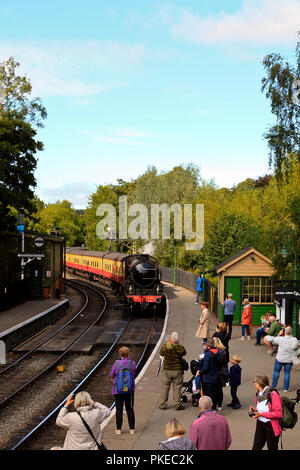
{"points": [[262, 407]]}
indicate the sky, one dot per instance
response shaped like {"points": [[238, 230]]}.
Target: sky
{"points": [[133, 84]]}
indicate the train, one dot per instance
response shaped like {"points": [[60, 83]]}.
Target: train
{"points": [[136, 276]]}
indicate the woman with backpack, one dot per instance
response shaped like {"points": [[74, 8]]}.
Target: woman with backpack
{"points": [[123, 374], [267, 411]]}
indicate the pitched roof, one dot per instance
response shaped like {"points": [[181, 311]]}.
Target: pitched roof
{"points": [[239, 255]]}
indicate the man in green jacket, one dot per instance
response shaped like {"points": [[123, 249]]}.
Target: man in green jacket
{"points": [[274, 330], [172, 372]]}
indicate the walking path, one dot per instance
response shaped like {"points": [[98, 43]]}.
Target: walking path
{"points": [[183, 315]]}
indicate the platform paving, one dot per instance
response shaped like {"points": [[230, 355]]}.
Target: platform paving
{"points": [[25, 311], [183, 317]]}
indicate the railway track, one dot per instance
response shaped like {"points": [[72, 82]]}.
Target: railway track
{"points": [[46, 434], [31, 400], [19, 374]]}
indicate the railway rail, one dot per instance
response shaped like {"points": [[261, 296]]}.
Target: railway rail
{"points": [[16, 377], [46, 434], [39, 395]]}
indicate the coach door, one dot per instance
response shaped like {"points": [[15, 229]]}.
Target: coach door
{"points": [[233, 286]]}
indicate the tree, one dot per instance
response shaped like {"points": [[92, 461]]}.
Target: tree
{"points": [[281, 86], [228, 234], [19, 118], [63, 215]]}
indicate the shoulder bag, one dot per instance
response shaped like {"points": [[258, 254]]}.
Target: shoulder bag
{"points": [[100, 446]]}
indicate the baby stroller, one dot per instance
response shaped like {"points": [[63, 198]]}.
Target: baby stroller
{"points": [[189, 387]]}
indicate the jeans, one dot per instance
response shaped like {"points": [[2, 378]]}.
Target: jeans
{"points": [[199, 294], [259, 333], [243, 330], [276, 372]]}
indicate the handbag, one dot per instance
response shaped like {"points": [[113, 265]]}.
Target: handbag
{"points": [[100, 446], [184, 364]]}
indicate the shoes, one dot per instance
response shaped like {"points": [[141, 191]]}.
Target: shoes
{"points": [[162, 407], [242, 338], [118, 431], [257, 344], [196, 302], [230, 404], [235, 407], [285, 391], [248, 338], [219, 408], [180, 407], [132, 431]]}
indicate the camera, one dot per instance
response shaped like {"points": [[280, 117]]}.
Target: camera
{"points": [[251, 413]]}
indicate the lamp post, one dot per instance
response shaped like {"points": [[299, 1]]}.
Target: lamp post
{"points": [[284, 253]]}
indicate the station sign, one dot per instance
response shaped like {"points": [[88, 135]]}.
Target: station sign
{"points": [[288, 293], [39, 241]]}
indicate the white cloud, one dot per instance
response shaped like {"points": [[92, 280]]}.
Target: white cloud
{"points": [[257, 22], [74, 69], [75, 191], [119, 135]]}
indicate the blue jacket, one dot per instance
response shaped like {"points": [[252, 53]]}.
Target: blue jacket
{"points": [[235, 375], [208, 367], [199, 284]]}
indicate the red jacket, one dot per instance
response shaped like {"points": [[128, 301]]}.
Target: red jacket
{"points": [[274, 413], [247, 315]]}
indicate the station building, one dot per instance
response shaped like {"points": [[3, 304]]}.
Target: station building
{"points": [[247, 274], [43, 275]]}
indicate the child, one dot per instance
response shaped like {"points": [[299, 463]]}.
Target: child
{"points": [[235, 381]]}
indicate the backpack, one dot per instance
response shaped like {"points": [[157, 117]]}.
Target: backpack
{"points": [[124, 381], [289, 416]]}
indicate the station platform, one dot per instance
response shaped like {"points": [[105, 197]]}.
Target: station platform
{"points": [[21, 322], [182, 316], [25, 311]]}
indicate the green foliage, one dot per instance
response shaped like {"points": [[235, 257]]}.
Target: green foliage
{"points": [[284, 137], [228, 234], [257, 212], [18, 145], [62, 215]]}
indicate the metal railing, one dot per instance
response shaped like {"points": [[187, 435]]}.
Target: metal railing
{"points": [[189, 281]]}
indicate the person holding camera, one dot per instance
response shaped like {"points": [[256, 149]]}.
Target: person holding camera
{"points": [[267, 412], [84, 424]]}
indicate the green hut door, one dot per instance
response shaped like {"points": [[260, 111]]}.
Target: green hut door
{"points": [[233, 286]]}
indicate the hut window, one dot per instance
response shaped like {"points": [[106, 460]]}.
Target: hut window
{"points": [[257, 289]]}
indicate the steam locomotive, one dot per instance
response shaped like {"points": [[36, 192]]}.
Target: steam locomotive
{"points": [[135, 275]]}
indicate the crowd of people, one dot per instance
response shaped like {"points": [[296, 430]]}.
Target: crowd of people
{"points": [[214, 370]]}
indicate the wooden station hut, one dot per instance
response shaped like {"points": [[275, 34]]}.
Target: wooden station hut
{"points": [[247, 274]]}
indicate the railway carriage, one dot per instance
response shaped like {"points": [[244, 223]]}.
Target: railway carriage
{"points": [[136, 275]]}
